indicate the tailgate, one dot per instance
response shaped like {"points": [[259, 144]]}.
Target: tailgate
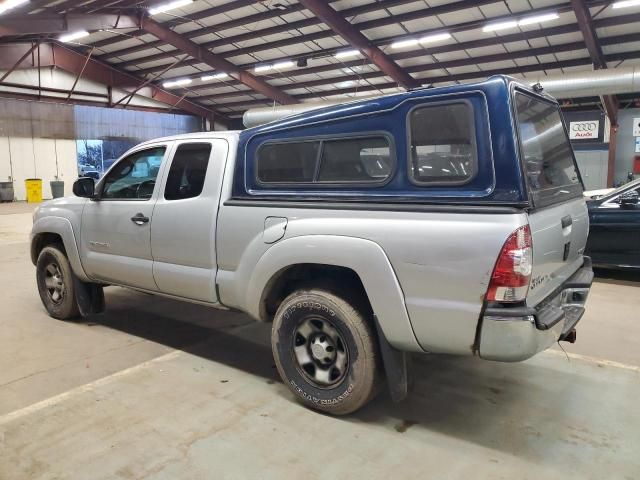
{"points": [[559, 235]]}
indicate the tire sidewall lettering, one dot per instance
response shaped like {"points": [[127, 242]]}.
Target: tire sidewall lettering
{"points": [[321, 401], [308, 305]]}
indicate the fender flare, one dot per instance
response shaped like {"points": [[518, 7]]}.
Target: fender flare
{"points": [[60, 226], [364, 257]]}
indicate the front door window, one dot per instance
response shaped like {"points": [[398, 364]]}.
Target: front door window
{"points": [[133, 177]]}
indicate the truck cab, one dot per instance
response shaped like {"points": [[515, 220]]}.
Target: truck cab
{"points": [[441, 220]]}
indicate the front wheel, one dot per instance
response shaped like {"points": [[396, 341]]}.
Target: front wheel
{"points": [[55, 284], [325, 351]]}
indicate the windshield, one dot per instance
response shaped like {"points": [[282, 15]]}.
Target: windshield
{"points": [[549, 164]]}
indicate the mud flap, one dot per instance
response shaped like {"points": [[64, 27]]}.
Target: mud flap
{"points": [[397, 366], [90, 297]]}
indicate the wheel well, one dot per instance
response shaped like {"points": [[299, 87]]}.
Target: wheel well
{"points": [[340, 280], [43, 240]]}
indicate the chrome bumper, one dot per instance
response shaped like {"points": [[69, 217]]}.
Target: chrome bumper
{"points": [[515, 334]]}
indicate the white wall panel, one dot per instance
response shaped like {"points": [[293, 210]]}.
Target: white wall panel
{"points": [[67, 163], [38, 158], [45, 159], [5, 160], [23, 164]]}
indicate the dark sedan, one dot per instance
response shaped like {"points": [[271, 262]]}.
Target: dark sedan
{"points": [[614, 235]]}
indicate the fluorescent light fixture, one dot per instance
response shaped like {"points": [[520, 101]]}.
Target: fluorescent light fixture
{"points": [[348, 53], [492, 27], [9, 4], [177, 83], [348, 83], [437, 37], [412, 42], [284, 64], [538, 19], [165, 7], [354, 69], [274, 66], [214, 76], [70, 37], [626, 3], [409, 42]]}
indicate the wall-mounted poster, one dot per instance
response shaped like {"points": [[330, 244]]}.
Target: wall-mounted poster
{"points": [[584, 129]]}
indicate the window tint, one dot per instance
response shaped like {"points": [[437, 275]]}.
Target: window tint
{"points": [[291, 162], [549, 164], [442, 144], [355, 160], [134, 177], [363, 160], [188, 170]]}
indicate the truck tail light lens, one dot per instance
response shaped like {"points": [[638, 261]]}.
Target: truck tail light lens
{"points": [[512, 273]]}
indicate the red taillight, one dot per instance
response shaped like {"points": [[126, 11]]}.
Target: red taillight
{"points": [[512, 273]]}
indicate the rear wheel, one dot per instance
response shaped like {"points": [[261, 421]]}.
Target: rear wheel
{"points": [[55, 284], [325, 351]]}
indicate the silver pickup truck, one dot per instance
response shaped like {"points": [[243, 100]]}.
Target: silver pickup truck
{"points": [[441, 220]]}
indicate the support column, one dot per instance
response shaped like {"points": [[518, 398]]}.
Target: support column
{"points": [[611, 163]]}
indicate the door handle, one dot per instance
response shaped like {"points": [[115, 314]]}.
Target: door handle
{"points": [[139, 219], [566, 221]]}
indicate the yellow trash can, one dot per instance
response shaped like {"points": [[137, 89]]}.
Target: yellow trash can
{"points": [[34, 189]]}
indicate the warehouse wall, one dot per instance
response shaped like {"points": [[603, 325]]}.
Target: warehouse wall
{"points": [[46, 158], [594, 152], [625, 151], [38, 139]]}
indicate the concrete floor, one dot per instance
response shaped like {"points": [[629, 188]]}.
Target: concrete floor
{"points": [[164, 390]]}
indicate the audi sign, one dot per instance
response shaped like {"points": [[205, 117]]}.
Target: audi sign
{"points": [[584, 130]]}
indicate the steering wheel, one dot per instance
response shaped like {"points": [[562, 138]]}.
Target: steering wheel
{"points": [[145, 184]]}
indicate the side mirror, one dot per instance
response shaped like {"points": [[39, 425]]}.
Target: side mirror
{"points": [[629, 200], [84, 187]]}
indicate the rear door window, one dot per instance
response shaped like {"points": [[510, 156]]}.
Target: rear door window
{"points": [[188, 171], [442, 146], [548, 159]]}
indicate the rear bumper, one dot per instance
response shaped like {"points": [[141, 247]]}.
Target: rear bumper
{"points": [[514, 334]]}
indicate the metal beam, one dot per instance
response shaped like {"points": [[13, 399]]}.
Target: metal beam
{"points": [[422, 69], [217, 10], [215, 61], [259, 18], [365, 25], [475, 75], [585, 22], [72, 62], [437, 50], [39, 24], [356, 39], [19, 61], [79, 75], [11, 52], [412, 53], [92, 103], [130, 95]]}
